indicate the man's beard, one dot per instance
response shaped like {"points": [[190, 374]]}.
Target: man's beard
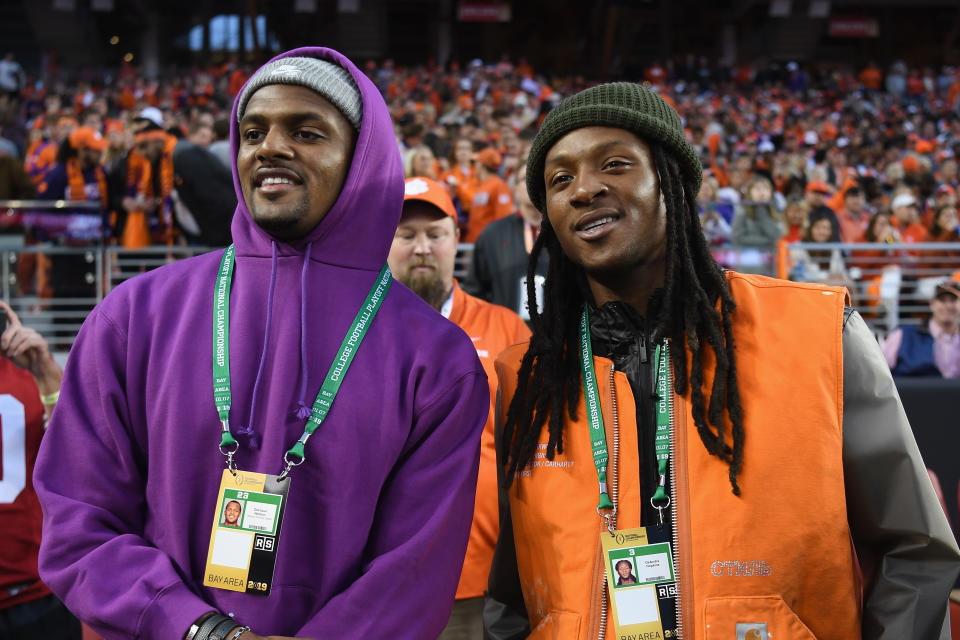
{"points": [[428, 285], [284, 225]]}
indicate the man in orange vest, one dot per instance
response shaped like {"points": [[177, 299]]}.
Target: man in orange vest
{"points": [[422, 257], [737, 439]]}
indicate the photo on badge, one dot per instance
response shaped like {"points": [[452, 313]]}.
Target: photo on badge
{"points": [[232, 510]]}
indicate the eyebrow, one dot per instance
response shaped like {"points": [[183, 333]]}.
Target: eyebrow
{"points": [[601, 147], [292, 118]]}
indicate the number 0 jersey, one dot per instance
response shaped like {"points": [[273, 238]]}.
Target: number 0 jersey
{"points": [[21, 427]]}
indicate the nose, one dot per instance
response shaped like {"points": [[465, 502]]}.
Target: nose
{"points": [[421, 244], [274, 145], [587, 186]]}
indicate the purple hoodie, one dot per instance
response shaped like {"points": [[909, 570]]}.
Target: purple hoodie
{"points": [[377, 521]]}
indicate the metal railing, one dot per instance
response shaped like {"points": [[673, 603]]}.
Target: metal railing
{"points": [[890, 284]]}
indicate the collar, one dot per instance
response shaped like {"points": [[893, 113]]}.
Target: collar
{"points": [[447, 307], [938, 332]]}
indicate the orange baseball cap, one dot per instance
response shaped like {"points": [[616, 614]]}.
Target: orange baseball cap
{"points": [[819, 186], [88, 137], [431, 192], [489, 158]]}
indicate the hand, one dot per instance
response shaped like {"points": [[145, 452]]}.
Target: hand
{"points": [[28, 350], [131, 204]]}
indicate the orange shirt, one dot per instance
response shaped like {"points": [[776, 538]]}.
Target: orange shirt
{"points": [[492, 328], [492, 201], [463, 184]]}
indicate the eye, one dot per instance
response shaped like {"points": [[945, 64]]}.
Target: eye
{"points": [[615, 164], [252, 135], [307, 134], [560, 179]]}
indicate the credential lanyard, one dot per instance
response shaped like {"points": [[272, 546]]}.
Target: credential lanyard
{"points": [[222, 396], [598, 439], [660, 499]]}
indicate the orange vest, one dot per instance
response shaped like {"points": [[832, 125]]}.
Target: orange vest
{"points": [[492, 328], [780, 554]]}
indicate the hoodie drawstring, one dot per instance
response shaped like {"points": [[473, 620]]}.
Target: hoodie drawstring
{"points": [[302, 411], [247, 431]]}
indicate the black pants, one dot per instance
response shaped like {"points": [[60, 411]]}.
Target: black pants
{"points": [[45, 618]]}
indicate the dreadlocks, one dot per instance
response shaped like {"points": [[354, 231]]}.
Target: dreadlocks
{"points": [[549, 376]]}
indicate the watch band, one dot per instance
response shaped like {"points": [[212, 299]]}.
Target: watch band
{"points": [[195, 627], [211, 623], [223, 630]]}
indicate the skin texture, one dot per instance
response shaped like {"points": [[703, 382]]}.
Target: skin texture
{"points": [[293, 133], [596, 172], [231, 513], [946, 311], [821, 231], [520, 196], [424, 250], [27, 349]]}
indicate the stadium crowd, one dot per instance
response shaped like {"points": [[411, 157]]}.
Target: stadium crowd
{"points": [[812, 153]]}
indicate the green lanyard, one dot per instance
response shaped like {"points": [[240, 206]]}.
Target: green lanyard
{"points": [[295, 456], [660, 500], [598, 438]]}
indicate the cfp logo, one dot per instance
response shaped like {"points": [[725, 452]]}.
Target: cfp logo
{"points": [[752, 631]]}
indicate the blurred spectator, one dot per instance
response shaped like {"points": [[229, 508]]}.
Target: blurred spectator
{"points": [[420, 162], [15, 184], [492, 199], [853, 216], [204, 197], [715, 226], [8, 147], [498, 268], [220, 147], [819, 265], [461, 179], [756, 222], [906, 215], [12, 77], [77, 174], [933, 349], [29, 388], [795, 217]]}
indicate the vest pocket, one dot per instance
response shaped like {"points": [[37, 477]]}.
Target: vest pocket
{"points": [[752, 618], [557, 625]]}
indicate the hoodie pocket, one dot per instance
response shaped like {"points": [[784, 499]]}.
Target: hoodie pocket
{"points": [[557, 625], [752, 618]]}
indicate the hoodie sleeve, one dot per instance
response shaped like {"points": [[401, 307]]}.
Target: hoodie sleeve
{"points": [[909, 556], [415, 552], [93, 553]]}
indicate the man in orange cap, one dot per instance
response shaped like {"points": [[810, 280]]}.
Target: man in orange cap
{"points": [[79, 175], [492, 199], [422, 257]]}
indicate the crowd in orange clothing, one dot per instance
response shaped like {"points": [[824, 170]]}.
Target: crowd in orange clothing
{"points": [[796, 137]]}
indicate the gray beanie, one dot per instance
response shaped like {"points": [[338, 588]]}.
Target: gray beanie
{"points": [[331, 81]]}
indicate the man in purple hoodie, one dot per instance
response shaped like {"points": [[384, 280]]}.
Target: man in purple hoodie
{"points": [[369, 522]]}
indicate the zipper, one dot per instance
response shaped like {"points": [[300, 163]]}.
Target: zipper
{"points": [[612, 476], [675, 534]]}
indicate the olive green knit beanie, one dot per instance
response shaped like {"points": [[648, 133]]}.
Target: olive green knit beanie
{"points": [[619, 104]]}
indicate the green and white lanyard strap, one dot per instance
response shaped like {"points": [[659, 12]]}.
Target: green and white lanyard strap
{"points": [[661, 499], [296, 455], [591, 394], [598, 439]]}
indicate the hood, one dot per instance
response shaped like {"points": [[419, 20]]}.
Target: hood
{"points": [[359, 228]]}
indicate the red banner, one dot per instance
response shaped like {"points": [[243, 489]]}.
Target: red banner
{"points": [[854, 28], [479, 11]]}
